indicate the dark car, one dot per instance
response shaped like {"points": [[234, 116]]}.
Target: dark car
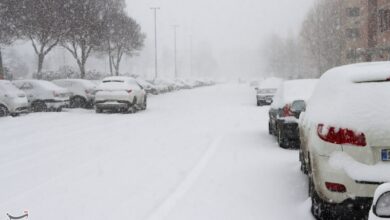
{"points": [[287, 125], [288, 104]]}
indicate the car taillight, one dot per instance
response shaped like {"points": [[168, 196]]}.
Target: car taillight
{"points": [[129, 91], [335, 187], [341, 136], [56, 94], [287, 111]]}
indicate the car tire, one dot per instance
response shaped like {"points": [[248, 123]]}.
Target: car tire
{"points": [[3, 111], [39, 106], [78, 102], [98, 110], [303, 164], [259, 103], [270, 131], [282, 140], [145, 103], [320, 209]]}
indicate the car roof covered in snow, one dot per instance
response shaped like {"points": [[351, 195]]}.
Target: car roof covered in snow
{"points": [[354, 97], [293, 90], [361, 72], [40, 83], [84, 82], [121, 78]]}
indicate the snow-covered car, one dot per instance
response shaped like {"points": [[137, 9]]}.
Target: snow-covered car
{"points": [[83, 91], [119, 93], [285, 109], [149, 87], [44, 95], [345, 139], [380, 210], [266, 91], [12, 100]]}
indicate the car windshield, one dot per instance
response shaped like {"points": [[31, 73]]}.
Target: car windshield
{"points": [[298, 106]]}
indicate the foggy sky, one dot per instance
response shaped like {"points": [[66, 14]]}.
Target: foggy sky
{"points": [[233, 28]]}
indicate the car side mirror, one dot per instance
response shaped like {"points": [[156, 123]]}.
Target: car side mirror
{"points": [[381, 207]]}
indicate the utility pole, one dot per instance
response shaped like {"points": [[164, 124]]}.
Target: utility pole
{"points": [[155, 41], [175, 48], [191, 63]]}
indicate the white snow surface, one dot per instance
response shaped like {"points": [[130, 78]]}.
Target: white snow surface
{"points": [[344, 98], [292, 90], [195, 154]]}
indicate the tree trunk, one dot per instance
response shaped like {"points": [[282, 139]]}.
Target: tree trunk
{"points": [[1, 66], [41, 57], [82, 69], [110, 59]]}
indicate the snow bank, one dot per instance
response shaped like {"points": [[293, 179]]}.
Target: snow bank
{"points": [[294, 90], [354, 96]]}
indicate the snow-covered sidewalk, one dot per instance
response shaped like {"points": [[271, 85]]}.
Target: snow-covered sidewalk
{"points": [[196, 154]]}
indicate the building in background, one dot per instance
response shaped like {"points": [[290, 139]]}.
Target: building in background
{"points": [[366, 24]]}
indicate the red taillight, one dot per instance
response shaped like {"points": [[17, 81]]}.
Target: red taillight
{"points": [[56, 94], [287, 111], [335, 187], [341, 136], [129, 91]]}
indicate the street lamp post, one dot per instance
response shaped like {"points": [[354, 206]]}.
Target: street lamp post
{"points": [[155, 42], [175, 48]]}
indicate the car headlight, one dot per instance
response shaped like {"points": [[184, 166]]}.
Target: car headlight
{"points": [[382, 206]]}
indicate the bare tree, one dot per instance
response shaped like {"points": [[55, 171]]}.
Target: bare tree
{"points": [[7, 28], [42, 22], [323, 37], [123, 36], [85, 28]]}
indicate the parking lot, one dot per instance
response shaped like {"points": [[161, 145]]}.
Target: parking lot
{"points": [[193, 154]]}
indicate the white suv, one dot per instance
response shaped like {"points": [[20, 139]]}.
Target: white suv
{"points": [[120, 93], [12, 100], [43, 95], [82, 91], [345, 139]]}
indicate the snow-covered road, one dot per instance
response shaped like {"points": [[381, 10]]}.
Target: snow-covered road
{"points": [[196, 154]]}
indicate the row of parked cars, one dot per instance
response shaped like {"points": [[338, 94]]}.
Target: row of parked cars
{"points": [[341, 126], [118, 93]]}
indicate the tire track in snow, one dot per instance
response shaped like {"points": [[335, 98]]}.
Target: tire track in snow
{"points": [[163, 209]]}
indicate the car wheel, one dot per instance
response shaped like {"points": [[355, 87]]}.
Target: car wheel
{"points": [[78, 102], [302, 160], [145, 104], [320, 209], [3, 111], [270, 128], [98, 110], [38, 107], [281, 139], [59, 109]]}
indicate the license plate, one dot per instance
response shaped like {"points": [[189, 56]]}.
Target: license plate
{"points": [[386, 155]]}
